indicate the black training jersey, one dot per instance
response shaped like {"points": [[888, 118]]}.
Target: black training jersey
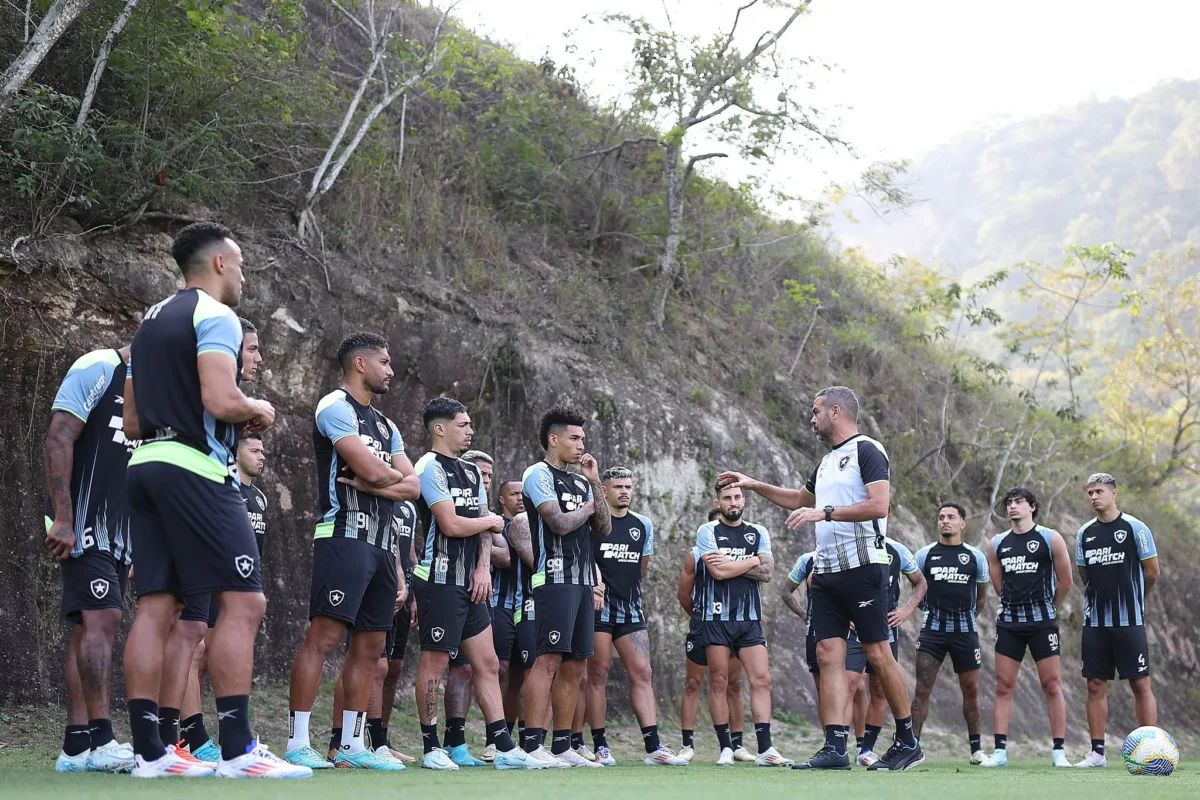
{"points": [[952, 576], [619, 556], [345, 511], [445, 559], [93, 391], [1111, 553], [1027, 588], [174, 424], [504, 580], [404, 521], [737, 599], [256, 508], [567, 558]]}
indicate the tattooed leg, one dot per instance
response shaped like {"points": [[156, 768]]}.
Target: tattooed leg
{"points": [[634, 651], [927, 672], [429, 683]]}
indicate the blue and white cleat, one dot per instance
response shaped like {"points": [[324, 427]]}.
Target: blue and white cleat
{"points": [[212, 754], [367, 759], [999, 758], [516, 759], [463, 758], [306, 757], [113, 757], [66, 763], [437, 759]]}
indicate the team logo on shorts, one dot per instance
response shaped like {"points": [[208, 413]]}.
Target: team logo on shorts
{"points": [[635, 533], [99, 588], [964, 559], [1033, 546], [1120, 537], [244, 565], [845, 460], [750, 537], [690, 645], [438, 633], [336, 597], [554, 637], [525, 656], [891, 558], [453, 654]]}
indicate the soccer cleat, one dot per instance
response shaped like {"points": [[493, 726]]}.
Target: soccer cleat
{"points": [[977, 757], [112, 757], [489, 753], [573, 759], [260, 762], [586, 752], [740, 753], [687, 753], [463, 758], [771, 758], [517, 759], [383, 751], [1093, 759], [825, 758], [1059, 758], [368, 759], [662, 757], [866, 758], [547, 758], [997, 759], [437, 758], [604, 756], [171, 765], [307, 757], [726, 757], [900, 757], [66, 763], [208, 752], [401, 757]]}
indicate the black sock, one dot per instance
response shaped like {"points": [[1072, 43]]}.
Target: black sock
{"points": [[168, 725], [836, 737], [1098, 746], [858, 742], [599, 738], [870, 737], [77, 739], [335, 739], [193, 732], [429, 737], [976, 742], [723, 739], [521, 729], [561, 742], [376, 733], [576, 740], [498, 735], [1001, 741], [456, 732], [531, 739], [233, 725], [383, 731], [541, 737], [689, 738], [650, 738], [1058, 743], [510, 727], [143, 725], [904, 732], [735, 738], [100, 731], [762, 730]]}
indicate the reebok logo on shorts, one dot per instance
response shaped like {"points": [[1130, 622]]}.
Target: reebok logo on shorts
{"points": [[244, 565], [99, 588], [525, 656], [554, 637], [865, 603], [438, 633], [336, 597]]}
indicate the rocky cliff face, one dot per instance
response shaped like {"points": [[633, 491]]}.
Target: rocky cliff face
{"points": [[67, 297]]}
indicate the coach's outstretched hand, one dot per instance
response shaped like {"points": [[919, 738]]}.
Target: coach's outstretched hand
{"points": [[736, 480]]}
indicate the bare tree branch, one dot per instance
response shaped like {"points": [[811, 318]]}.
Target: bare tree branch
{"points": [[53, 25], [110, 40]]}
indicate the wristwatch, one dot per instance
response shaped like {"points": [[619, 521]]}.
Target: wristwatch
{"points": [[829, 513]]}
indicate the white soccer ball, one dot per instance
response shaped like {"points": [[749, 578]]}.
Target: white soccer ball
{"points": [[1150, 751]]}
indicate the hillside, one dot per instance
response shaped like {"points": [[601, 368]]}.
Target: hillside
{"points": [[508, 272]]}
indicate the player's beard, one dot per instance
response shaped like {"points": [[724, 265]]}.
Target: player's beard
{"points": [[733, 514], [378, 387]]}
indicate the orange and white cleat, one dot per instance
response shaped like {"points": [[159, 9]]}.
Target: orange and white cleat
{"points": [[175, 764]]}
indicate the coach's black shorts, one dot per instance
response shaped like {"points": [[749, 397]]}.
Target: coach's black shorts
{"points": [[1120, 649], [963, 648], [191, 535], [566, 615], [447, 617], [92, 582], [858, 595], [397, 640], [617, 630], [524, 650], [895, 654], [695, 643], [504, 633], [1042, 641], [856, 657], [354, 582], [733, 634]]}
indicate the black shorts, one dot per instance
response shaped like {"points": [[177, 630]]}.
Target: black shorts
{"points": [[963, 648], [1042, 641], [397, 639], [524, 650], [895, 654], [565, 618], [447, 617], [733, 635], [810, 653], [92, 582], [694, 645], [191, 535], [856, 657], [354, 582], [858, 595], [617, 630], [504, 633], [1120, 649], [200, 608]]}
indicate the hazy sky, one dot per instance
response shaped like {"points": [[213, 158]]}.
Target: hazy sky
{"points": [[912, 73]]}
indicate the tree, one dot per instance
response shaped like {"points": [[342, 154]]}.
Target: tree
{"points": [[53, 25], [101, 63]]}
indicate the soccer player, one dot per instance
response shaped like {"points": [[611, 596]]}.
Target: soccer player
{"points": [[362, 472], [87, 530], [453, 584], [737, 558], [623, 557], [504, 601], [1031, 571], [1118, 565], [565, 508], [900, 562], [957, 578], [847, 496], [190, 530]]}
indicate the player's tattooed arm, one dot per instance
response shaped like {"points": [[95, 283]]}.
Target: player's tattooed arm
{"points": [[790, 599], [601, 517], [1150, 573], [521, 539], [562, 522], [766, 567], [500, 556], [481, 580], [59, 461]]}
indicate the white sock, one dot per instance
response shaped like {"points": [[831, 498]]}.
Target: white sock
{"points": [[297, 730], [354, 724]]}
